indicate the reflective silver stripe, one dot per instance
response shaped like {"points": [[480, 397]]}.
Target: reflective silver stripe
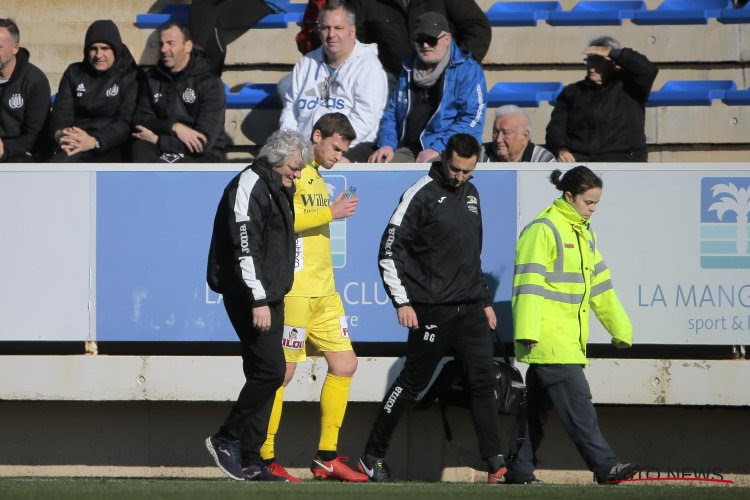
{"points": [[559, 261], [600, 268], [565, 278], [567, 298], [530, 268], [398, 215], [601, 288], [393, 282]]}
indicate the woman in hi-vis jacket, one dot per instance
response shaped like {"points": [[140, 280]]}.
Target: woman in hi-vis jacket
{"points": [[559, 275]]}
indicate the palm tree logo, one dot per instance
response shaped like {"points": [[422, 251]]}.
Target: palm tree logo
{"points": [[737, 201]]}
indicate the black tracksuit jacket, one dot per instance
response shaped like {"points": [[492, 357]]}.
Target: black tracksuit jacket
{"points": [[252, 246], [430, 250], [605, 122], [101, 103], [389, 24], [194, 97], [24, 107]]}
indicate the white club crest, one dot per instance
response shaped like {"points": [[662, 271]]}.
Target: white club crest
{"points": [[189, 95], [113, 91], [157, 96], [15, 101]]}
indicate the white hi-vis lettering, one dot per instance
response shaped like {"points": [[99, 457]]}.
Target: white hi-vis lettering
{"points": [[293, 337]]}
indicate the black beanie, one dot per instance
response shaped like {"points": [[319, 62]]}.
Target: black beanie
{"points": [[103, 30]]}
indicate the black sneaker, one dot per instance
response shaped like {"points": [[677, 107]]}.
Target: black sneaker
{"points": [[512, 477], [226, 454], [261, 473], [619, 472], [374, 468]]}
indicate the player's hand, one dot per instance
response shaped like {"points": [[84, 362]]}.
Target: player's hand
{"points": [[192, 139], [491, 318], [145, 134], [382, 155], [565, 156], [427, 156], [528, 343], [2, 149], [597, 51], [262, 318], [341, 208], [407, 317]]}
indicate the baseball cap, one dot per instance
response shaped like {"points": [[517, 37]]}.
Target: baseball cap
{"points": [[430, 24]]}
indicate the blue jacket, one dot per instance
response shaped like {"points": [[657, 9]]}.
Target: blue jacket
{"points": [[461, 108]]}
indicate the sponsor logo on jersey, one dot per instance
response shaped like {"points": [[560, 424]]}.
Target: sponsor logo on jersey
{"points": [[392, 399], [293, 337], [330, 103], [344, 327], [113, 91]]}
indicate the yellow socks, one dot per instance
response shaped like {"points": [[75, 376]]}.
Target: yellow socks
{"points": [[333, 400], [267, 450]]}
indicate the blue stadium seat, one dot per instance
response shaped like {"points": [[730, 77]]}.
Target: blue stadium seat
{"points": [[527, 94], [690, 92], [253, 96], [520, 13], [290, 13], [597, 13], [735, 16], [682, 12], [737, 97]]}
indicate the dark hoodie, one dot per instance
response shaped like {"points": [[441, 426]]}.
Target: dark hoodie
{"points": [[24, 106], [99, 102], [194, 97]]}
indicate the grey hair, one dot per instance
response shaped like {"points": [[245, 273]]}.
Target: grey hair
{"points": [[512, 109], [335, 5], [285, 144], [605, 41]]}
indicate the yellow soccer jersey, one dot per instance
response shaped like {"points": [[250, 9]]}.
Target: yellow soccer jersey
{"points": [[313, 268]]}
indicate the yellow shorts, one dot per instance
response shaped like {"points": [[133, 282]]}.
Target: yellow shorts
{"points": [[313, 325]]}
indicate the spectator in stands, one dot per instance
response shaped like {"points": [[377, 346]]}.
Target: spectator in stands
{"points": [[180, 111], [211, 19], [251, 263], [440, 93], [391, 23], [344, 75], [602, 117], [24, 98], [96, 99], [511, 138], [308, 38]]}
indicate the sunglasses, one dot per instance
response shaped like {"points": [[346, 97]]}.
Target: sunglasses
{"points": [[429, 40]]}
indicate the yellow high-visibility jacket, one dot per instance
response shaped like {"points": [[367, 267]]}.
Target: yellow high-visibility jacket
{"points": [[559, 274]]}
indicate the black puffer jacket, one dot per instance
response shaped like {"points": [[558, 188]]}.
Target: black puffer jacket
{"points": [[430, 253], [389, 24], [252, 245], [101, 103], [194, 97], [24, 107], [605, 122]]}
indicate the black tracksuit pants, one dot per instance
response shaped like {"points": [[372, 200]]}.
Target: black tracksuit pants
{"points": [[264, 366], [443, 330], [565, 387]]}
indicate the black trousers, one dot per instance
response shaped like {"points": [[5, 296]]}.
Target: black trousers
{"points": [[264, 366], [114, 155], [146, 152], [565, 387], [444, 329]]}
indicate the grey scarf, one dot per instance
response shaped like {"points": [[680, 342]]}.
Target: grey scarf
{"points": [[425, 80]]}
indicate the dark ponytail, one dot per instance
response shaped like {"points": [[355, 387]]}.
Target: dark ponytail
{"points": [[577, 180]]}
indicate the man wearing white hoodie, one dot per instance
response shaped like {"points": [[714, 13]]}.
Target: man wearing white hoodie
{"points": [[344, 76]]}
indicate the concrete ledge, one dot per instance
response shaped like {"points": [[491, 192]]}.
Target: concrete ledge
{"points": [[174, 378]]}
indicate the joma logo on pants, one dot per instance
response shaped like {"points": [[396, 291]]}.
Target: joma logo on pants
{"points": [[392, 399]]}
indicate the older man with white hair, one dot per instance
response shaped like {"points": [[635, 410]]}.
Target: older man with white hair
{"points": [[511, 139]]}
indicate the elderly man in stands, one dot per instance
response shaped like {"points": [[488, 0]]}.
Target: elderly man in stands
{"points": [[602, 117], [24, 98], [511, 138], [96, 99], [344, 75], [391, 24], [180, 112], [441, 92]]}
